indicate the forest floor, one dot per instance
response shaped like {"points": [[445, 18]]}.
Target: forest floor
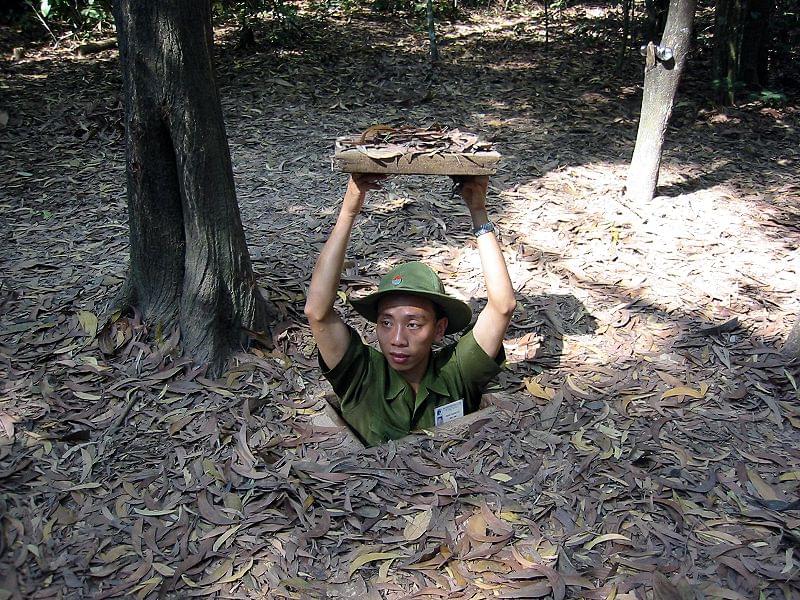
{"points": [[647, 440]]}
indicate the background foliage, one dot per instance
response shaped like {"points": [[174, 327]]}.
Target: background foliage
{"points": [[274, 23]]}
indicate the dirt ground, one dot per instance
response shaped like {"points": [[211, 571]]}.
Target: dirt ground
{"points": [[645, 440]]}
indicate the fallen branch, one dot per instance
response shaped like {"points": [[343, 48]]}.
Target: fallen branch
{"points": [[93, 47]]}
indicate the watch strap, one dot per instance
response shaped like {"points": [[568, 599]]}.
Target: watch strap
{"points": [[485, 228]]}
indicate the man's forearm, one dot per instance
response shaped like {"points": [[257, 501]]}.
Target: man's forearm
{"points": [[330, 332], [499, 291], [479, 217], [328, 270], [493, 320]]}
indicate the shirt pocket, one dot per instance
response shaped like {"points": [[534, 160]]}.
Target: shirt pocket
{"points": [[383, 432]]}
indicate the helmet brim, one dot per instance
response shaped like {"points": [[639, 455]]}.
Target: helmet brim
{"points": [[458, 313]]}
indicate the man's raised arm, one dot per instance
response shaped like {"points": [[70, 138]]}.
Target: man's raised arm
{"points": [[330, 332], [494, 318]]}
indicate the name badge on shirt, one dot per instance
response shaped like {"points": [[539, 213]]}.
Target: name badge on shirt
{"points": [[448, 412]]}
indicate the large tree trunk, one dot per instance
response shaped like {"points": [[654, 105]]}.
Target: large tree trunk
{"points": [[661, 78], [189, 264], [791, 347]]}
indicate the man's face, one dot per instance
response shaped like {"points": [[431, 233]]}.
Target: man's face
{"points": [[406, 328]]}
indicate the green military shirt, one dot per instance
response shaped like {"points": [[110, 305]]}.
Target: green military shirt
{"points": [[380, 405]]}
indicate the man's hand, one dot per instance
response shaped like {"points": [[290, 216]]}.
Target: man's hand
{"points": [[473, 191], [357, 188]]}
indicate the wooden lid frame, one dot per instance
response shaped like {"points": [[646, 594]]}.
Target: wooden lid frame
{"points": [[356, 159]]}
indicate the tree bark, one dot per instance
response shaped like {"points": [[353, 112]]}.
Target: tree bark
{"points": [[661, 78], [791, 348], [189, 265]]}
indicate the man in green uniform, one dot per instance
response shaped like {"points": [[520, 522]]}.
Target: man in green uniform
{"points": [[407, 386]]}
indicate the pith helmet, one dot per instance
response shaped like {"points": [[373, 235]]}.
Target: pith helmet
{"points": [[417, 279]]}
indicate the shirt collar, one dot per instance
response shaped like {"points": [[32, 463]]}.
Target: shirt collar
{"points": [[430, 382], [396, 384]]}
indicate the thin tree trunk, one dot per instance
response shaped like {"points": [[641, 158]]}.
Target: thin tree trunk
{"points": [[661, 78], [656, 11], [189, 264], [432, 32], [753, 63], [741, 46], [546, 26], [727, 49], [627, 7]]}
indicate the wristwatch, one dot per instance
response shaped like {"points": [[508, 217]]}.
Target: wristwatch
{"points": [[485, 228]]}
